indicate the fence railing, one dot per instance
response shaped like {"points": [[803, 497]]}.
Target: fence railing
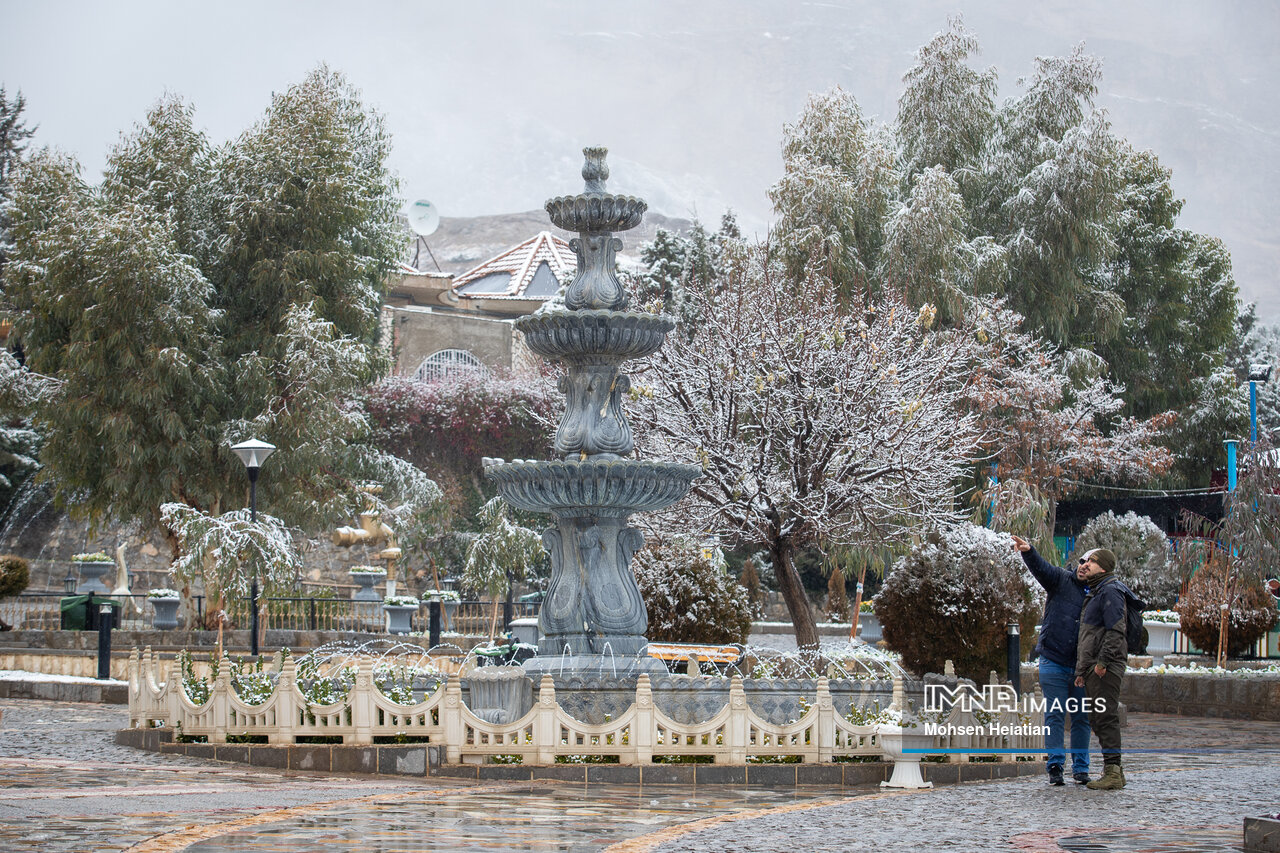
{"points": [[42, 612], [546, 731]]}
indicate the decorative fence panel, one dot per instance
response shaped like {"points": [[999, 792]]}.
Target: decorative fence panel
{"points": [[541, 736]]}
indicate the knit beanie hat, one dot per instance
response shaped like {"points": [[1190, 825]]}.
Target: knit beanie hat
{"points": [[1104, 558]]}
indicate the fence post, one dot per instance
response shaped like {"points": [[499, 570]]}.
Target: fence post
{"points": [[826, 724], [361, 703], [433, 624], [451, 720], [546, 734], [736, 732], [173, 691], [286, 703], [135, 686], [311, 622], [642, 724], [221, 698]]}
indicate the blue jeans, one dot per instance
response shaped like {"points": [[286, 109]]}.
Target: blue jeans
{"points": [[1060, 695]]}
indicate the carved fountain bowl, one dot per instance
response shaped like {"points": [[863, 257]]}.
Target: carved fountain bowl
{"points": [[594, 334], [592, 486], [596, 212]]}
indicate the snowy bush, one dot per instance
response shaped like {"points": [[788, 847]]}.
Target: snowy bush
{"points": [[15, 574], [688, 599], [1253, 612], [951, 597], [1142, 555], [164, 592]]}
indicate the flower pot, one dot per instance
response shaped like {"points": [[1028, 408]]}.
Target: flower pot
{"points": [[1160, 638], [91, 575], [400, 617], [367, 582], [895, 741], [869, 628], [166, 613]]}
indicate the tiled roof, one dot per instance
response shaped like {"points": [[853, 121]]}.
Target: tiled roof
{"points": [[529, 271]]}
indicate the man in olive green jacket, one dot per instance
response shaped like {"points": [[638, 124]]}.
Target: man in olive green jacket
{"points": [[1102, 654]]}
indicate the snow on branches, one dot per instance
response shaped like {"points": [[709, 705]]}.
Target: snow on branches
{"points": [[226, 551], [1043, 412], [811, 422]]}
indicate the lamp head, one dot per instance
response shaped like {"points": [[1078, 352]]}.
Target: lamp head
{"points": [[253, 452], [1259, 373]]}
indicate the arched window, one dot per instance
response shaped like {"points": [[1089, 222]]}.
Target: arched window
{"points": [[448, 363]]}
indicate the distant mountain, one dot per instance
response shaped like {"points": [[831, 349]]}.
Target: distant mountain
{"points": [[464, 242]]}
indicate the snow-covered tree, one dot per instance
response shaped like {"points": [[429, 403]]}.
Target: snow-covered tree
{"points": [[1050, 418], [1229, 559], [1051, 190], [201, 296], [947, 110], [1263, 347], [501, 554], [14, 134], [812, 423], [1142, 555], [1219, 410], [836, 189]]}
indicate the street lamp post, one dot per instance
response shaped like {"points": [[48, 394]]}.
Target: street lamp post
{"points": [[253, 453]]}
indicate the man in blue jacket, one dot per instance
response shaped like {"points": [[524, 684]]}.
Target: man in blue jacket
{"points": [[1056, 649]]}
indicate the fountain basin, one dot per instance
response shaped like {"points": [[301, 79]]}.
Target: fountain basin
{"points": [[592, 335], [612, 487], [596, 212]]}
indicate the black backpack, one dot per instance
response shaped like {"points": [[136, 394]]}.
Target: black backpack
{"points": [[1135, 635]]}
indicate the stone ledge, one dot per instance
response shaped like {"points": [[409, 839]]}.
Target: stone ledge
{"points": [[66, 691], [424, 760]]}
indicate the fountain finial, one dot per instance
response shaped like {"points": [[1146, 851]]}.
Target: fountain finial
{"points": [[595, 171]]}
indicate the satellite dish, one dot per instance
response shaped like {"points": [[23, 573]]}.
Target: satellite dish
{"points": [[424, 218]]}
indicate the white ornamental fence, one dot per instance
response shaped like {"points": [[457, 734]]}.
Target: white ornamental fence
{"points": [[547, 731]]}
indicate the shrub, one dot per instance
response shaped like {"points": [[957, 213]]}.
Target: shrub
{"points": [[837, 606], [1142, 555], [688, 598], [1253, 612], [952, 596], [15, 574]]}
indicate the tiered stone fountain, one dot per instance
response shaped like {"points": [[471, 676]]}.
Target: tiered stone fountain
{"points": [[593, 619]]}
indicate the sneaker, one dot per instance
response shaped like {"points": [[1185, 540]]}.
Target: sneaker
{"points": [[1055, 776], [1082, 778], [1112, 779]]}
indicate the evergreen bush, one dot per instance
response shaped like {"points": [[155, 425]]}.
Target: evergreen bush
{"points": [[951, 598], [689, 598], [15, 574], [1253, 613], [1142, 555]]}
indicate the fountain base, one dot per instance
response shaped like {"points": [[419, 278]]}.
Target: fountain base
{"points": [[593, 666]]}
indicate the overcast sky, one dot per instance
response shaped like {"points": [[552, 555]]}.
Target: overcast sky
{"points": [[490, 104]]}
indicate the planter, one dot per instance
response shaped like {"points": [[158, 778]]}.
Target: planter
{"points": [[895, 741], [91, 575], [1160, 638], [367, 582], [166, 613], [400, 617], [869, 628]]}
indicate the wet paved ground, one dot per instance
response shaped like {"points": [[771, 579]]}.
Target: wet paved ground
{"points": [[65, 787]]}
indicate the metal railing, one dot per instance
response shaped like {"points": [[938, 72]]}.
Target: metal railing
{"points": [[42, 612]]}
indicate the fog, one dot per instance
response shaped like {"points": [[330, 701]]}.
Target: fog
{"points": [[490, 104]]}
